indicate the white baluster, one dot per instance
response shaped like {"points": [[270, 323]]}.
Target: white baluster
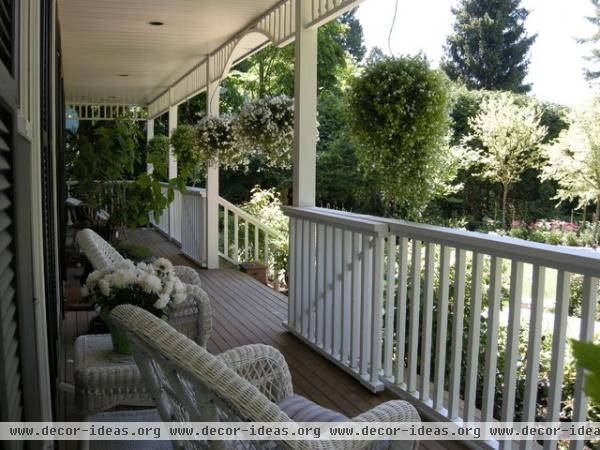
{"points": [[474, 335], [367, 304], [538, 283], [491, 352], [559, 339], [458, 315], [389, 307], [586, 334], [401, 309], [512, 345], [415, 301], [441, 329], [427, 328]]}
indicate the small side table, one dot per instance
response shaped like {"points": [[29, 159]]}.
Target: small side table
{"points": [[105, 379]]}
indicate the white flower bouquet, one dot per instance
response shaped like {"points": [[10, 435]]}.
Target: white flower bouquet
{"points": [[153, 287]]}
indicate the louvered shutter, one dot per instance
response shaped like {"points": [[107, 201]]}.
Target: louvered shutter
{"points": [[10, 379], [11, 392]]}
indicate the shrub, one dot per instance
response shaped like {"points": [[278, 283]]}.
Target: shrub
{"points": [[265, 205], [519, 233], [398, 114], [571, 239]]}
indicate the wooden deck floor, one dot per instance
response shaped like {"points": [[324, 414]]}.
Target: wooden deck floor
{"points": [[244, 312]]}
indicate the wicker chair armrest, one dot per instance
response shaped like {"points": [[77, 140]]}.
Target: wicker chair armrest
{"points": [[391, 411], [187, 275], [193, 317], [264, 367]]}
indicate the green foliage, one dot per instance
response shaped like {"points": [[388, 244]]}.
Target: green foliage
{"points": [[587, 355], [398, 115], [593, 73], [185, 147], [133, 251], [503, 142], [489, 46], [113, 151], [158, 155], [573, 160], [265, 205]]}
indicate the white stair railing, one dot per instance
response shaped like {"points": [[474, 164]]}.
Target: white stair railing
{"points": [[243, 238], [402, 305]]}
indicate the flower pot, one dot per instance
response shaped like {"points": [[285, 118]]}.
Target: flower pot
{"points": [[120, 342]]}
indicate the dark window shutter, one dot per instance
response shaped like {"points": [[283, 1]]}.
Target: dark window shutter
{"points": [[10, 379], [11, 393]]}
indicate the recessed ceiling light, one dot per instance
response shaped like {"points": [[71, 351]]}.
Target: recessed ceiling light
{"points": [[123, 74], [156, 23]]}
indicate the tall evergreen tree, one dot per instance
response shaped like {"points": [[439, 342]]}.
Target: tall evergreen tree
{"points": [[593, 73], [489, 46]]}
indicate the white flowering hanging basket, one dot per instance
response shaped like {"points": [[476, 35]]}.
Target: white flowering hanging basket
{"points": [[265, 127]]}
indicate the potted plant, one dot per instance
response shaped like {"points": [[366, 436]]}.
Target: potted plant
{"points": [[153, 287]]}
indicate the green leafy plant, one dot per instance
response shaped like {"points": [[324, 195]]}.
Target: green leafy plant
{"points": [[398, 114], [158, 155], [185, 147], [265, 205], [587, 355]]}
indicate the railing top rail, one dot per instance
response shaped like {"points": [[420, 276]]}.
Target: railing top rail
{"points": [[568, 259], [247, 217], [188, 189], [328, 216]]}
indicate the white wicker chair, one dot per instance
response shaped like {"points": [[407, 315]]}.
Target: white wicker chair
{"points": [[102, 255], [247, 383]]}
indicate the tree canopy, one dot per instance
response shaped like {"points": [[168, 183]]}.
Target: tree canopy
{"points": [[574, 158], [489, 46], [503, 142]]}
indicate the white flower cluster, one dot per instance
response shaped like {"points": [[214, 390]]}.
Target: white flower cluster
{"points": [[157, 280], [265, 126]]}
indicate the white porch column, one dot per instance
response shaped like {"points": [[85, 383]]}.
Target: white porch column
{"points": [[212, 182], [305, 117], [173, 220], [149, 136]]}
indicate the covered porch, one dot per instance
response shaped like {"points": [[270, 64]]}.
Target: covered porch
{"points": [[377, 308]]}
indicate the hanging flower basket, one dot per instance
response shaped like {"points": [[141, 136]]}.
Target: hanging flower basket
{"points": [[265, 127]]}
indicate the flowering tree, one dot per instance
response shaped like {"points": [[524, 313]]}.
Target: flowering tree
{"points": [[573, 160], [503, 142]]}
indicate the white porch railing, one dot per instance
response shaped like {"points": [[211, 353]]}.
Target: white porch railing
{"points": [[376, 296], [188, 228], [250, 242], [243, 237]]}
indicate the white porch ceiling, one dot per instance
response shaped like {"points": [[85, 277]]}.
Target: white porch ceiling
{"points": [[102, 40]]}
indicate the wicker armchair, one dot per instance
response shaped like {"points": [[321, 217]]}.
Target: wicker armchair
{"points": [[248, 383], [102, 255]]}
